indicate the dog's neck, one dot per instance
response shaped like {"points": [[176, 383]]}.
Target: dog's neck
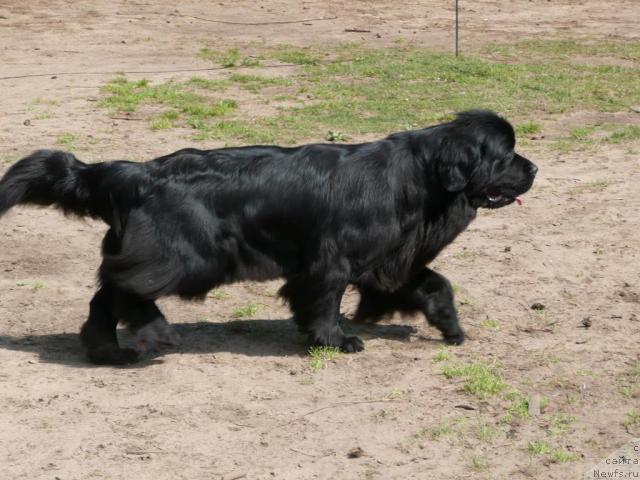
{"points": [[455, 215]]}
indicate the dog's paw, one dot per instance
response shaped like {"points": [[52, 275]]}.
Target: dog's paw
{"points": [[113, 356], [154, 334], [335, 337], [352, 344], [455, 338]]}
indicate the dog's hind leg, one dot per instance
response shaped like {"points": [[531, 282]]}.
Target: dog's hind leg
{"points": [[149, 326], [316, 309], [143, 318], [98, 334], [427, 292]]}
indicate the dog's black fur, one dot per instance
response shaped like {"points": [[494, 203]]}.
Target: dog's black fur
{"points": [[321, 216]]}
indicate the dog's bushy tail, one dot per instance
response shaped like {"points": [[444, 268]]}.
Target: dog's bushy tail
{"points": [[47, 177]]}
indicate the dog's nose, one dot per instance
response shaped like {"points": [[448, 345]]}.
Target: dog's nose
{"points": [[532, 168]]}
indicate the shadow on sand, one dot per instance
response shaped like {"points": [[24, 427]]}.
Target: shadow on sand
{"points": [[245, 337]]}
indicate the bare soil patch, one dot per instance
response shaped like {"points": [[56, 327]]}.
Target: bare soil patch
{"points": [[239, 398]]}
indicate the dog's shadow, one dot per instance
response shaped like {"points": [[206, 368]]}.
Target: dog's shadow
{"points": [[244, 337]]}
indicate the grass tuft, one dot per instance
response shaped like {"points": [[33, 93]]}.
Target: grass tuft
{"points": [[321, 355], [442, 354], [246, 311], [557, 455], [490, 324], [480, 378], [66, 139], [528, 128], [632, 419]]}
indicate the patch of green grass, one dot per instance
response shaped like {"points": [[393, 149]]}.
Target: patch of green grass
{"points": [[625, 134], [246, 311], [298, 56], [480, 378], [164, 120], [9, 158], [218, 294], [332, 136], [595, 136], [66, 139], [43, 116], [216, 109], [557, 455], [629, 382], [565, 50], [50, 102], [444, 428], [321, 355], [485, 432], [563, 146], [180, 99], [582, 133], [465, 254], [479, 463], [160, 123], [37, 285], [236, 130], [595, 186], [208, 84], [528, 128], [358, 90], [227, 58], [466, 302], [395, 394], [539, 447], [255, 83], [545, 318], [490, 324], [230, 58], [252, 61], [519, 407], [632, 419], [442, 354], [560, 455], [560, 424]]}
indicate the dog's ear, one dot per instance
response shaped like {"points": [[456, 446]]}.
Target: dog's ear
{"points": [[458, 159]]}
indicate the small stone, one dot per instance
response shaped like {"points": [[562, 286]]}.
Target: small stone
{"points": [[355, 452], [537, 306], [586, 322]]}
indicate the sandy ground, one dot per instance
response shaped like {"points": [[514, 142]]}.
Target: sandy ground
{"points": [[238, 399]]}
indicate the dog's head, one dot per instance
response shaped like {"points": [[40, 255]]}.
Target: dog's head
{"points": [[477, 157]]}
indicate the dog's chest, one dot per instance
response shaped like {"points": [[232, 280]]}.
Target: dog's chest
{"points": [[419, 247], [443, 229]]}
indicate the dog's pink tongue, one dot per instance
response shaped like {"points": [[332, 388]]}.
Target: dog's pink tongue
{"points": [[519, 200]]}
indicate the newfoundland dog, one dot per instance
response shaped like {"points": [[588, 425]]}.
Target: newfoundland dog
{"points": [[321, 216]]}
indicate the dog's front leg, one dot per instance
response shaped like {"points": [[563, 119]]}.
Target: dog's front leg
{"points": [[316, 307], [427, 292], [435, 297]]}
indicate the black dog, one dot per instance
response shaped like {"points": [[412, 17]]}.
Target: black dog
{"points": [[321, 216]]}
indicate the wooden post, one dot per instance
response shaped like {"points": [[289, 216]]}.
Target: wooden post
{"points": [[456, 28]]}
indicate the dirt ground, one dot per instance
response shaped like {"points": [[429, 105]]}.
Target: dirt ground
{"points": [[239, 399]]}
